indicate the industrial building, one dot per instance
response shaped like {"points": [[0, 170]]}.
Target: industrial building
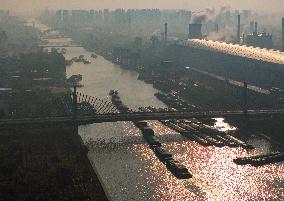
{"points": [[194, 31], [256, 39], [263, 40], [248, 52], [258, 66]]}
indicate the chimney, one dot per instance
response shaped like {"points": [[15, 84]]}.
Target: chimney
{"points": [[216, 28], [194, 31], [166, 31], [251, 27], [283, 34], [255, 28], [239, 29]]}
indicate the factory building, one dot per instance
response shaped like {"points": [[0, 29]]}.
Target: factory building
{"points": [[256, 39], [194, 31], [262, 40], [258, 66]]}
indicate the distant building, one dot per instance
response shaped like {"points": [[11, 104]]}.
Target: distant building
{"points": [[91, 15], [106, 15], [256, 39], [65, 15], [58, 15], [263, 40], [194, 31], [4, 13]]}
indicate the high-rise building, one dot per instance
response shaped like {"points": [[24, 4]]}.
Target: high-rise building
{"points": [[65, 15], [58, 16]]}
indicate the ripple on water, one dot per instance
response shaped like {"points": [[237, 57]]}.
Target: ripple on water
{"points": [[219, 178], [215, 177]]}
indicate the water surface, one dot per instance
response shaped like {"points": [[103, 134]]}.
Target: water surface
{"points": [[130, 171]]}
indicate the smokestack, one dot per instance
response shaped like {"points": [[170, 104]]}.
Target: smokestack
{"points": [[255, 28], [239, 29], [166, 31], [216, 28], [251, 27], [283, 34]]}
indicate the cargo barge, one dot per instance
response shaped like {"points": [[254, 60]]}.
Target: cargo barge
{"points": [[260, 160], [175, 167], [200, 133]]}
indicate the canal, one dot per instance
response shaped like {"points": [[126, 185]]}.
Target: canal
{"points": [[129, 170]]}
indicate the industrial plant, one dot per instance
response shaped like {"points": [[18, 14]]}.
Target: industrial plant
{"points": [[141, 103]]}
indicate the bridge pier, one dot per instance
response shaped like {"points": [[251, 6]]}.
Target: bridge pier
{"points": [[75, 115], [245, 107], [245, 98]]}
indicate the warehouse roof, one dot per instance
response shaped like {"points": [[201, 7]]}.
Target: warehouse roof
{"points": [[262, 54]]}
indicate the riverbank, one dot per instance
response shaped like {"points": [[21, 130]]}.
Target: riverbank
{"points": [[43, 163], [158, 65], [47, 162]]}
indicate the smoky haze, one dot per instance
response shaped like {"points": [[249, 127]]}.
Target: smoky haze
{"points": [[26, 5]]}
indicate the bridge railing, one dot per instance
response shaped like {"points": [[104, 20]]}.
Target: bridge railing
{"points": [[90, 108]]}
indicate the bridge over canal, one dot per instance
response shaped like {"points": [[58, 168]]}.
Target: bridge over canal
{"points": [[83, 109]]}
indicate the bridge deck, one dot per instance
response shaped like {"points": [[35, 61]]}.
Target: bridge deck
{"points": [[137, 116]]}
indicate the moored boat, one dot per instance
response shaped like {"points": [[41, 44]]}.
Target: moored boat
{"points": [[162, 154], [179, 170]]}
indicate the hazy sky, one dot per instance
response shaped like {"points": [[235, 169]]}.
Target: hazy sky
{"points": [[263, 5]]}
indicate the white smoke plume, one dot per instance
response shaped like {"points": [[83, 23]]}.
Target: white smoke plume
{"points": [[225, 33]]}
